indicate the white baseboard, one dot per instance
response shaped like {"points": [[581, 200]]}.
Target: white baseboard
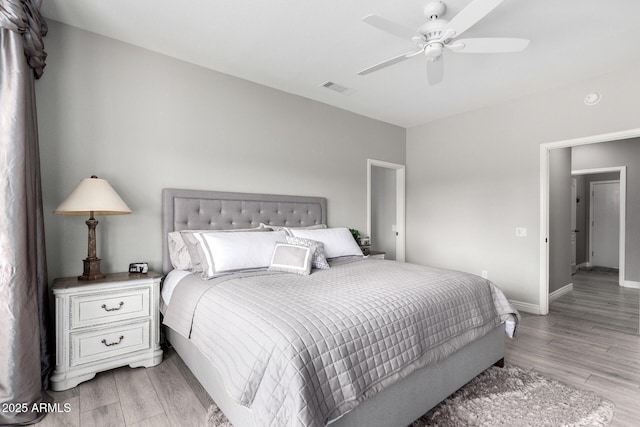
{"points": [[559, 292], [526, 307], [631, 284], [586, 264], [535, 309]]}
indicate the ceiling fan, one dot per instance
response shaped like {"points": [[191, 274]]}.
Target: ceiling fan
{"points": [[438, 34]]}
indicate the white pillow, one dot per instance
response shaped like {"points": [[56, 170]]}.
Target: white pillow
{"points": [[178, 253], [337, 241], [183, 252], [287, 228], [226, 252]]}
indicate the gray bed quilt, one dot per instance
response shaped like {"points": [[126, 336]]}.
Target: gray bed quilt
{"points": [[304, 350]]}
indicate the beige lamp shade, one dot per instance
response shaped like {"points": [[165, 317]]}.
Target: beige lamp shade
{"points": [[93, 195]]}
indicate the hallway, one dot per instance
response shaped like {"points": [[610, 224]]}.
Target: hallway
{"points": [[598, 299]]}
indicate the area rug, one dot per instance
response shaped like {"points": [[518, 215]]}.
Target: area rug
{"points": [[506, 396]]}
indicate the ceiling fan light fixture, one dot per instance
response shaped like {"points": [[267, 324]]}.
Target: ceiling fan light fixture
{"points": [[592, 98], [433, 51]]}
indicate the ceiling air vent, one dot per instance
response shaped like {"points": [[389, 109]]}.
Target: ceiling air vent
{"points": [[339, 88]]}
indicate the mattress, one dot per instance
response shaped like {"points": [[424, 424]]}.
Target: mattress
{"points": [[304, 350]]}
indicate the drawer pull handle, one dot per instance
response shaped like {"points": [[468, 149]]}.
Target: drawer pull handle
{"points": [[109, 344], [114, 308]]}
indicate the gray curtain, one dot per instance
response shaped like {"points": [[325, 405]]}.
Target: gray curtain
{"points": [[24, 347]]}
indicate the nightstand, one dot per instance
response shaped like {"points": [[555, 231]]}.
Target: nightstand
{"points": [[377, 254], [104, 324]]}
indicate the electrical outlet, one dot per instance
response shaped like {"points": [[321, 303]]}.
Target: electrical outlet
{"points": [[484, 274]]}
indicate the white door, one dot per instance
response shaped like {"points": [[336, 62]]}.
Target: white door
{"points": [[605, 223], [572, 234]]}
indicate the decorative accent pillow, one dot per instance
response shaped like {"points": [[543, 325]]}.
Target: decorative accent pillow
{"points": [[337, 242], [319, 260], [290, 258], [229, 252]]}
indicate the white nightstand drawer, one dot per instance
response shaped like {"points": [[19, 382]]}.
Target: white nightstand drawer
{"points": [[99, 308], [97, 345]]}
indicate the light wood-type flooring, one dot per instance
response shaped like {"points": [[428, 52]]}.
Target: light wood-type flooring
{"points": [[598, 298], [578, 343], [589, 340], [166, 395]]}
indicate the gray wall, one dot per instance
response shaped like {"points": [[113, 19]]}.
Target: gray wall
{"points": [[559, 218], [383, 210], [619, 153], [145, 121], [474, 177]]}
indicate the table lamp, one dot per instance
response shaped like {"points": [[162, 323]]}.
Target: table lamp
{"points": [[93, 196]]}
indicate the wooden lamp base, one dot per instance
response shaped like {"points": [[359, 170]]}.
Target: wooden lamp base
{"points": [[91, 269]]}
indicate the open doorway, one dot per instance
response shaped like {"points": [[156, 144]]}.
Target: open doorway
{"points": [[597, 299], [607, 150], [601, 219], [386, 208], [545, 150]]}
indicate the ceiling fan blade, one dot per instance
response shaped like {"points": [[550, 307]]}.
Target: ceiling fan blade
{"points": [[475, 11], [391, 27], [389, 62], [489, 45], [435, 71]]}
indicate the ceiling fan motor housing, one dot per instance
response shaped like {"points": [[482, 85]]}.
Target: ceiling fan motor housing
{"points": [[434, 9], [432, 29]]}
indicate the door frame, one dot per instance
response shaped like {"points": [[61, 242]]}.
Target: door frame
{"points": [[574, 224], [623, 214], [545, 148], [400, 203]]}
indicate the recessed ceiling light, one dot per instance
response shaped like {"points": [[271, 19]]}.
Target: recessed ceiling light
{"points": [[592, 99]]}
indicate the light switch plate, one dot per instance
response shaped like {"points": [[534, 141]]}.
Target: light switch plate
{"points": [[521, 232]]}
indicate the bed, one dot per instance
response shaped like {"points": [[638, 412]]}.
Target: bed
{"points": [[392, 397]]}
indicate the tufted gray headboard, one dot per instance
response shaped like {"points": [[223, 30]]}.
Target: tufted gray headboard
{"points": [[218, 210]]}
